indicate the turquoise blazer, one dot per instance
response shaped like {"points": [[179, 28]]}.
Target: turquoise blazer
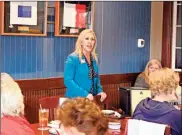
{"points": [[76, 77]]}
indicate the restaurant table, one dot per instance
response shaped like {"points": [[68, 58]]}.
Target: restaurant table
{"points": [[109, 132]]}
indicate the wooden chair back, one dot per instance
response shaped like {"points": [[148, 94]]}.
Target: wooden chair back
{"points": [[166, 132], [50, 103], [103, 105]]}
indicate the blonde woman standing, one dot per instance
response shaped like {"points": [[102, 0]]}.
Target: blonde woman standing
{"points": [[81, 76]]}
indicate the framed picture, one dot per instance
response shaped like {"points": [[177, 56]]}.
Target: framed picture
{"points": [[71, 17], [23, 18]]}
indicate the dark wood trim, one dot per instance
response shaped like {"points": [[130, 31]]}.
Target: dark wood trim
{"points": [[54, 83], [167, 34], [56, 27], [1, 17], [44, 83], [58, 83], [180, 75], [93, 15], [118, 78]]}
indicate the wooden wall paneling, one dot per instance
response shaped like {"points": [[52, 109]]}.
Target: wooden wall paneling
{"points": [[56, 27], [180, 75], [93, 14], [35, 89], [113, 93], [39, 88], [1, 17], [167, 33], [31, 101], [117, 78]]}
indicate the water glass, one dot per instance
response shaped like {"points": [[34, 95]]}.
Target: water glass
{"points": [[43, 119]]}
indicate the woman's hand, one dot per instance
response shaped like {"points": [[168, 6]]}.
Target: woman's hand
{"points": [[90, 97], [103, 96]]}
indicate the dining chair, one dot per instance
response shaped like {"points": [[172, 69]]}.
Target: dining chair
{"points": [[166, 132], [104, 104], [50, 103]]}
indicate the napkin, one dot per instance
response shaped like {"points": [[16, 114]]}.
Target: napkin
{"points": [[140, 127], [54, 124]]}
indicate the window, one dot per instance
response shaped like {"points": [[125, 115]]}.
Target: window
{"points": [[177, 36]]}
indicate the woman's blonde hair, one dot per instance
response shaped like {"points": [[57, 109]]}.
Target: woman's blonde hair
{"points": [[78, 47], [164, 81], [145, 74], [11, 97], [84, 115]]}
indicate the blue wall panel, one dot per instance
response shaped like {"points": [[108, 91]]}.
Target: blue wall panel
{"points": [[34, 57], [118, 25]]}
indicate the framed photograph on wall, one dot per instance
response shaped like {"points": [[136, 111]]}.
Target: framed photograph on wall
{"points": [[23, 18], [71, 17]]}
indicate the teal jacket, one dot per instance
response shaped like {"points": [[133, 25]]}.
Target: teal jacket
{"points": [[76, 77]]}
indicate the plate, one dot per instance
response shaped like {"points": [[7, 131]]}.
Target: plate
{"points": [[114, 123], [53, 131], [54, 124], [117, 126], [108, 112]]}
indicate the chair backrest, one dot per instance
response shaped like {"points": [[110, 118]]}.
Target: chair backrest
{"points": [[166, 132], [103, 105], [178, 92], [50, 103]]}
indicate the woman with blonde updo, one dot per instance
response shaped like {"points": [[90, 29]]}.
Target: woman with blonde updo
{"points": [[163, 84]]}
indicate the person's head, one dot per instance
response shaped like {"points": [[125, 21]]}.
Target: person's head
{"points": [[86, 43], [151, 66], [164, 82], [11, 97], [83, 115]]}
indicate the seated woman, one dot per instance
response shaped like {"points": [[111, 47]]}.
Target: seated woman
{"points": [[163, 84], [142, 79], [80, 116], [12, 109]]}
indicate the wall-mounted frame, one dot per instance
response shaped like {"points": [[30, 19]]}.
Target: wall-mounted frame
{"points": [[62, 29], [20, 29]]}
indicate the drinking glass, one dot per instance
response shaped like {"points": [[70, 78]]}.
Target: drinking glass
{"points": [[43, 119]]}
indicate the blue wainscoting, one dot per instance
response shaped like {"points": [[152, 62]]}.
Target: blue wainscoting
{"points": [[118, 25]]}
